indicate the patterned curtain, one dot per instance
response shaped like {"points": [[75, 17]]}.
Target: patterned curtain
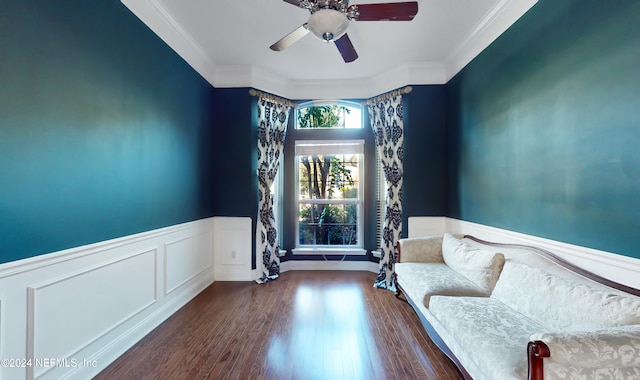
{"points": [[272, 126], [386, 121]]}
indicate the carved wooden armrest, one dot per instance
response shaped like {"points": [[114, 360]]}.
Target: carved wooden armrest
{"points": [[536, 352]]}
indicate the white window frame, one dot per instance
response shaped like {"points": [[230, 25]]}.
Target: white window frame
{"points": [[331, 147]]}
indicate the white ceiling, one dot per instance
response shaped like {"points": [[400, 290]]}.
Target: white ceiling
{"points": [[227, 42]]}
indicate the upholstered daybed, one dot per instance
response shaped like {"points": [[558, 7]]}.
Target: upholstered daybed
{"points": [[505, 312]]}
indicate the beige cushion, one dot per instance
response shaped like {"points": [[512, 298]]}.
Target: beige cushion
{"points": [[563, 305], [480, 266], [421, 250]]}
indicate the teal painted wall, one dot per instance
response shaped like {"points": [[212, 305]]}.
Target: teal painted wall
{"points": [[235, 155], [425, 183], [546, 123], [234, 159], [104, 130]]}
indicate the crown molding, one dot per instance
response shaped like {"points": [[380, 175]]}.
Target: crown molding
{"points": [[153, 14], [157, 18], [492, 25]]}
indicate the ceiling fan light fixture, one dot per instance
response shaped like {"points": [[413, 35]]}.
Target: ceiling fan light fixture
{"points": [[328, 24]]}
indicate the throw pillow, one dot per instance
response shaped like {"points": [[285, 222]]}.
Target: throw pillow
{"points": [[480, 266], [561, 304]]}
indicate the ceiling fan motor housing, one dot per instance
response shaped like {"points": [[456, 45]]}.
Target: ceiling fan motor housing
{"points": [[316, 5]]}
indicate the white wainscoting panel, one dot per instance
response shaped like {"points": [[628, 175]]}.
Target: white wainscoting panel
{"points": [[232, 249], [67, 314], [184, 258], [71, 313]]}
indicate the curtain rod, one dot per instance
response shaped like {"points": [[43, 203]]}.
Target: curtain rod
{"points": [[273, 98], [389, 95]]}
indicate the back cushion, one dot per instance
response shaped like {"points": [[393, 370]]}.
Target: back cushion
{"points": [[421, 250], [480, 266], [561, 304]]}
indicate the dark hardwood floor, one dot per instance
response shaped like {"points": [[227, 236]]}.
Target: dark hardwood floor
{"points": [[305, 325]]}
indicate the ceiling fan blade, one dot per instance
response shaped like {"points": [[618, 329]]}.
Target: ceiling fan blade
{"points": [[290, 38], [386, 11], [294, 2], [346, 48]]}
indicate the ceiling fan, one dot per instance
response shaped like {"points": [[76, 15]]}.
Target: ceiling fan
{"points": [[330, 18]]}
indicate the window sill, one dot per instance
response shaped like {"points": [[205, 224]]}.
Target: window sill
{"points": [[329, 251], [377, 254]]}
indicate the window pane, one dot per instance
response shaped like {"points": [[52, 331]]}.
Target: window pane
{"points": [[328, 224], [329, 116], [328, 176]]}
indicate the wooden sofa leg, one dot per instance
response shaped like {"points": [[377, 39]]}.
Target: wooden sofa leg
{"points": [[399, 292], [395, 281]]}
